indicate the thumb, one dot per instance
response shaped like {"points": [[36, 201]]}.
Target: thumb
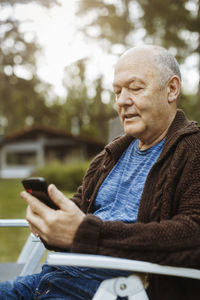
{"points": [[59, 198]]}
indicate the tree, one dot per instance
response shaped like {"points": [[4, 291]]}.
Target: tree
{"points": [[84, 111], [107, 21], [20, 97], [176, 25], [172, 24]]}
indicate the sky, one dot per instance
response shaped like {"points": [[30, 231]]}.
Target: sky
{"points": [[62, 44], [57, 32]]}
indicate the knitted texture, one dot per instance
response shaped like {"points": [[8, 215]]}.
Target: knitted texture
{"points": [[168, 226]]}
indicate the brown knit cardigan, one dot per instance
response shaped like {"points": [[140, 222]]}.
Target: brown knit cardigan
{"points": [[168, 226]]}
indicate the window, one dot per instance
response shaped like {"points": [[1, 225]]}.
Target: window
{"points": [[21, 158]]}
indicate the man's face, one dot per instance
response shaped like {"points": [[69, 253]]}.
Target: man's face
{"points": [[141, 103]]}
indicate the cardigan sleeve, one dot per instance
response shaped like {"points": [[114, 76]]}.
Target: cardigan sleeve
{"points": [[174, 241]]}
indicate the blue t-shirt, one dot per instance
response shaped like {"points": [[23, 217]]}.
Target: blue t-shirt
{"points": [[119, 196]]}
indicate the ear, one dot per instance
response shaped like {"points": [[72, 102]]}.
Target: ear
{"points": [[173, 88]]}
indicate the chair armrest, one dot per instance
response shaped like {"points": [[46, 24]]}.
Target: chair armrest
{"points": [[107, 262], [32, 251], [13, 223]]}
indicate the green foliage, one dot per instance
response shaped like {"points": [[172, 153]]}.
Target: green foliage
{"points": [[169, 23], [11, 206], [176, 24], [90, 114], [191, 106], [107, 18], [65, 176], [21, 92], [112, 21], [173, 24], [23, 98]]}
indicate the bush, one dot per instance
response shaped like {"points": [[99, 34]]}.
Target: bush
{"points": [[66, 177]]}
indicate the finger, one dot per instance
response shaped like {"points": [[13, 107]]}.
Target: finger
{"points": [[34, 230], [34, 220], [36, 205], [59, 198]]}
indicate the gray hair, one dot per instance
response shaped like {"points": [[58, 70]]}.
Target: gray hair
{"points": [[166, 64]]}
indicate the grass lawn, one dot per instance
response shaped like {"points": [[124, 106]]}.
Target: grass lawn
{"points": [[11, 207]]}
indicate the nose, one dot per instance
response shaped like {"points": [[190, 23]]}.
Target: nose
{"points": [[124, 98]]}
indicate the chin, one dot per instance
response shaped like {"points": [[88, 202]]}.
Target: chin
{"points": [[135, 132], [131, 133]]}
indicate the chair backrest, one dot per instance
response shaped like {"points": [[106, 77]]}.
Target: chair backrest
{"points": [[32, 252], [31, 255]]}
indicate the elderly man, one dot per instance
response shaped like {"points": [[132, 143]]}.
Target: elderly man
{"points": [[140, 198]]}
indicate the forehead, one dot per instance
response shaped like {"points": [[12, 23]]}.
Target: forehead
{"points": [[135, 66]]}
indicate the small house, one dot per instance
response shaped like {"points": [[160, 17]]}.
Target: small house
{"points": [[24, 151]]}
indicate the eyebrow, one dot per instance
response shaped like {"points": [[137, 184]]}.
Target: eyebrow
{"points": [[128, 82]]}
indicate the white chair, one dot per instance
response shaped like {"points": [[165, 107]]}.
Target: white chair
{"points": [[30, 256], [132, 286]]}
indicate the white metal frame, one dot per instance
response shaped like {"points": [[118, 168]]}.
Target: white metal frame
{"points": [[132, 286], [32, 251]]}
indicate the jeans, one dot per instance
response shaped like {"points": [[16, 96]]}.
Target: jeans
{"points": [[51, 283]]}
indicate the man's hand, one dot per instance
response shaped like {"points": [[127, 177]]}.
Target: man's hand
{"points": [[56, 227]]}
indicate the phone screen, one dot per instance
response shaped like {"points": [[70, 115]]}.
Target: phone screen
{"points": [[37, 187]]}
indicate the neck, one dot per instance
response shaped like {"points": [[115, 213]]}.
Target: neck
{"points": [[145, 144]]}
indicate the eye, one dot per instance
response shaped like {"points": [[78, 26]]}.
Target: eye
{"points": [[117, 92], [135, 89]]}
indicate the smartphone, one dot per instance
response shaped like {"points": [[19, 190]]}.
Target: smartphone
{"points": [[37, 186]]}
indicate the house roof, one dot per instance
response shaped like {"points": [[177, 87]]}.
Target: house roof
{"points": [[34, 131]]}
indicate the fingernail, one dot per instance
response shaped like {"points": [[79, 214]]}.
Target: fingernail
{"points": [[53, 189], [22, 194]]}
